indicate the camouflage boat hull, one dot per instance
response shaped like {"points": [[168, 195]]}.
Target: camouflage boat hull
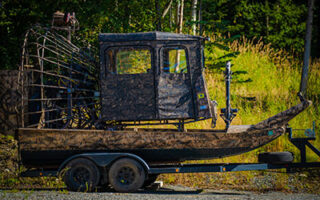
{"points": [[52, 146]]}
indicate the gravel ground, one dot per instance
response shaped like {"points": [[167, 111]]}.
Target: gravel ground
{"points": [[168, 192]]}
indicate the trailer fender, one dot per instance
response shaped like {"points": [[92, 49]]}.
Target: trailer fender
{"points": [[105, 159]]}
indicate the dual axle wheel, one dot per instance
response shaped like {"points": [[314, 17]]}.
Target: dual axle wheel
{"points": [[124, 175]]}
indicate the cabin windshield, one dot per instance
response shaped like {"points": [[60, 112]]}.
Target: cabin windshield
{"points": [[128, 60]]}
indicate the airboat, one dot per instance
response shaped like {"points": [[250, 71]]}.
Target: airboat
{"points": [[74, 103]]}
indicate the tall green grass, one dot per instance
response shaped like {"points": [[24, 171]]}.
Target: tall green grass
{"points": [[265, 82]]}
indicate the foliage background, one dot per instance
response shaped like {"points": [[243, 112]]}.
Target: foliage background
{"points": [[279, 22], [264, 39]]}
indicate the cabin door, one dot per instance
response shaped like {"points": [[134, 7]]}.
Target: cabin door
{"points": [[128, 92], [174, 85]]}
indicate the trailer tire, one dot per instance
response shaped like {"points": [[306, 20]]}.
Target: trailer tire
{"points": [[276, 157], [126, 175], [81, 175]]}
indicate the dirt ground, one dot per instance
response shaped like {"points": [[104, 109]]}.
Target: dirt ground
{"points": [[164, 193]]}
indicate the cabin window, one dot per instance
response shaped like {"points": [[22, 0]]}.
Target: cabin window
{"points": [[128, 60], [175, 60]]}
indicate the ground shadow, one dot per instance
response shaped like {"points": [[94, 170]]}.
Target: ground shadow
{"points": [[160, 191]]}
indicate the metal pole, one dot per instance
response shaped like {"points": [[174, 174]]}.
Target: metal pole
{"points": [[228, 107], [307, 49]]}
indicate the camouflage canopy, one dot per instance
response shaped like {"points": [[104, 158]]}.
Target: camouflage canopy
{"points": [[152, 76]]}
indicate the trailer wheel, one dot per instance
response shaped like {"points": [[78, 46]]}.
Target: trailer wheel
{"points": [[81, 175], [276, 157], [126, 175], [151, 179]]}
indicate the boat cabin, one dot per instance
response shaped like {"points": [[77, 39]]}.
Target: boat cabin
{"points": [[152, 76]]}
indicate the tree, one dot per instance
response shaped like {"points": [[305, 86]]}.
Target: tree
{"points": [[307, 48], [194, 16], [180, 7], [280, 22]]}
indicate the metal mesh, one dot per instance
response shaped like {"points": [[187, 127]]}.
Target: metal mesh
{"points": [[58, 81]]}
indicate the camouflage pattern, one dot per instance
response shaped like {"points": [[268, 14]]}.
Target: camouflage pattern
{"points": [[202, 98], [10, 101], [245, 138], [284, 117], [175, 96], [276, 121], [200, 92], [51, 139], [130, 97]]}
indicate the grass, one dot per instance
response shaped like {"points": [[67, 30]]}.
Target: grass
{"points": [[9, 169], [264, 181]]}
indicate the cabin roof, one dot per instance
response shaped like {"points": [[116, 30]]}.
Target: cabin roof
{"points": [[145, 36]]}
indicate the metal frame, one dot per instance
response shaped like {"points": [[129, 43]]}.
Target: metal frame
{"points": [[228, 113], [226, 167], [62, 79], [302, 143], [198, 168]]}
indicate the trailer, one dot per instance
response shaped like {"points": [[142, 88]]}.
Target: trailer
{"points": [[128, 172]]}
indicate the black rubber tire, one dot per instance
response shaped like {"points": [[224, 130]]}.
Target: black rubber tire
{"points": [[82, 175], [126, 175], [276, 157], [150, 180]]}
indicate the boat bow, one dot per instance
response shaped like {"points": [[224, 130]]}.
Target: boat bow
{"points": [[279, 120]]}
